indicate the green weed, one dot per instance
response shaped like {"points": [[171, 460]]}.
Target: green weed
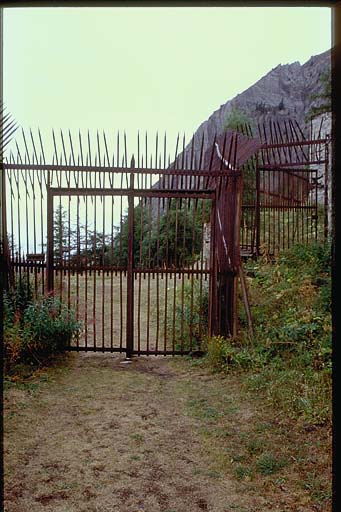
{"points": [[242, 472], [255, 446], [317, 488], [267, 464], [138, 438]]}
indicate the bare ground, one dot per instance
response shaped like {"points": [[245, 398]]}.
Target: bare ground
{"points": [[158, 434]]}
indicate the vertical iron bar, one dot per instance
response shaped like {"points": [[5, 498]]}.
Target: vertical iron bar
{"points": [[69, 256], [19, 223], [149, 266], [112, 263], [194, 220], [257, 208], [94, 273], [103, 272], [130, 269], [326, 191], [213, 288], [86, 270], [203, 242], [175, 264], [156, 263], [49, 258], [158, 268], [181, 263], [141, 262], [166, 263], [27, 230]]}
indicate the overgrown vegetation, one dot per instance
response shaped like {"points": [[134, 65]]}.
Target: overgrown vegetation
{"points": [[34, 330], [289, 357]]}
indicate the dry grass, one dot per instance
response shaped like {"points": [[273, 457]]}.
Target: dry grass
{"points": [[157, 435]]}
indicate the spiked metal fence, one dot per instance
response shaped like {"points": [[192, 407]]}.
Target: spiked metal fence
{"points": [[121, 238], [286, 188], [146, 246], [8, 127]]}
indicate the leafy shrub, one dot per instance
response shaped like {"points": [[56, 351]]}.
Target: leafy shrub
{"points": [[42, 330]]}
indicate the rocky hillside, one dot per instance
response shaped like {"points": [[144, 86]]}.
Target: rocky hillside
{"points": [[285, 92]]}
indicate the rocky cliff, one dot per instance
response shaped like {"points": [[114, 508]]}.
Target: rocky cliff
{"points": [[285, 92]]}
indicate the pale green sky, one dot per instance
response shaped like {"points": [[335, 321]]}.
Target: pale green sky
{"points": [[146, 68]]}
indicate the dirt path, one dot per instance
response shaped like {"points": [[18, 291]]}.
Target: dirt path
{"points": [[102, 435]]}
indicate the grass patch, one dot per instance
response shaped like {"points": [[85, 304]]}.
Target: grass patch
{"points": [[243, 472], [267, 464]]}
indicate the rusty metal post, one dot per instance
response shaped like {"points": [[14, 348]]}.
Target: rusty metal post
{"points": [[257, 209], [228, 303], [224, 278], [326, 191], [213, 285], [49, 255], [4, 250], [130, 267], [236, 251]]}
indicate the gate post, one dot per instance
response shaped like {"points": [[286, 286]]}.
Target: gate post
{"points": [[130, 267], [228, 254], [49, 255], [326, 205], [257, 210], [213, 285]]}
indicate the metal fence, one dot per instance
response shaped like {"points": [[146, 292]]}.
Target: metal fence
{"points": [[147, 248], [122, 242], [283, 185]]}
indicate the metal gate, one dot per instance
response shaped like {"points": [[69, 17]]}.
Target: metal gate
{"points": [[140, 287]]}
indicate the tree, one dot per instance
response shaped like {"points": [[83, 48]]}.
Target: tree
{"points": [[236, 119], [63, 235], [171, 240]]}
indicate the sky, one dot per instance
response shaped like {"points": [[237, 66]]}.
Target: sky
{"points": [[160, 69], [148, 69]]}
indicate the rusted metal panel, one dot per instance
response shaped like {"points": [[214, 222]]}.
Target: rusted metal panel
{"points": [[230, 151]]}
